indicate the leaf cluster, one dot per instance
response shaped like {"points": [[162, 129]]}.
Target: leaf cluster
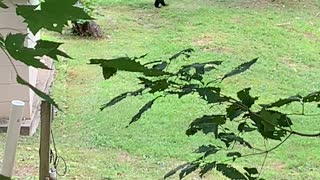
{"points": [[53, 15], [240, 111]]}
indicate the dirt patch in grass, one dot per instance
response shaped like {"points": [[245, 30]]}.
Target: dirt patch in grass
{"points": [[81, 75], [149, 19], [295, 66], [308, 35], [72, 74], [258, 4], [203, 41], [25, 170], [264, 4], [125, 157], [134, 19], [311, 36], [207, 44], [219, 50], [277, 166], [289, 62], [237, 20]]}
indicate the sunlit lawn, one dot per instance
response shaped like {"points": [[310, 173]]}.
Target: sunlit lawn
{"points": [[97, 145]]}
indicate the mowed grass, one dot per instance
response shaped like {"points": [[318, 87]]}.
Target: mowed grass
{"points": [[284, 35]]}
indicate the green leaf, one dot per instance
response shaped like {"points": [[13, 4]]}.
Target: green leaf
{"points": [[270, 121], [159, 85], [2, 5], [251, 170], [240, 69], [185, 90], [245, 97], [228, 138], [14, 44], [206, 168], [201, 68], [38, 92], [255, 117], [145, 108], [146, 82], [175, 170], [53, 14], [312, 97], [244, 127], [267, 121], [2, 177], [140, 57], [121, 63], [122, 96], [238, 108], [207, 150], [275, 118], [282, 102], [108, 72], [185, 52], [234, 154], [189, 169], [206, 124], [155, 86], [52, 47], [160, 66], [210, 94], [229, 171], [234, 111], [114, 101], [153, 62], [125, 64]]}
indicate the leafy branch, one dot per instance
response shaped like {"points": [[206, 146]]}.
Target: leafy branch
{"points": [[189, 79]]}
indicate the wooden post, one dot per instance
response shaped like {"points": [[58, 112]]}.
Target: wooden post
{"points": [[46, 116]]}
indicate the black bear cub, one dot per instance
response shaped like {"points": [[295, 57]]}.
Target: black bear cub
{"points": [[157, 3]]}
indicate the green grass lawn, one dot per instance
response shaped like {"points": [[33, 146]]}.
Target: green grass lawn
{"points": [[285, 35]]}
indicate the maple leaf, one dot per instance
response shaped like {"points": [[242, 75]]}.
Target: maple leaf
{"points": [[53, 14], [14, 44], [52, 47], [2, 5], [40, 93]]}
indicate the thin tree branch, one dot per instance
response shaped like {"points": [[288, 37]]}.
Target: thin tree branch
{"points": [[299, 114], [13, 29], [263, 163], [11, 61], [264, 159], [245, 108], [269, 150]]}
